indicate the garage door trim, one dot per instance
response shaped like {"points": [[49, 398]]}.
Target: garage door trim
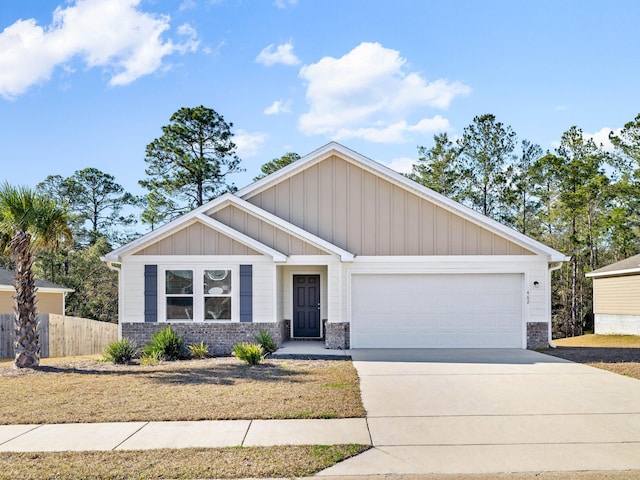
{"points": [[523, 295]]}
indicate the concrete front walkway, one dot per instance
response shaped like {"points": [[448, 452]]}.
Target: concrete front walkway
{"points": [[150, 435], [490, 411]]}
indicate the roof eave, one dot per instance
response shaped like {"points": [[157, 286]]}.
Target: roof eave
{"points": [[395, 177], [614, 273]]}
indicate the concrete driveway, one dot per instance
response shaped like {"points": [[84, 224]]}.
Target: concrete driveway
{"points": [[488, 411]]}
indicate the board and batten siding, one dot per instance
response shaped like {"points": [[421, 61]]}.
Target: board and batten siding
{"points": [[364, 214], [132, 282], [197, 239], [617, 295], [264, 232]]}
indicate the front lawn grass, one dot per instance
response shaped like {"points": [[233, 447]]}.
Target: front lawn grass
{"points": [[223, 388], [240, 462], [615, 353]]}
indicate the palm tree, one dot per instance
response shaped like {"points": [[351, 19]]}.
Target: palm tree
{"points": [[29, 222]]}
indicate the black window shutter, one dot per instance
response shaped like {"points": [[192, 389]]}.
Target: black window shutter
{"points": [[246, 293], [150, 293]]}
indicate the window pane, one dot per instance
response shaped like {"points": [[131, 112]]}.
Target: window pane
{"points": [[179, 308], [217, 282], [179, 281], [217, 308]]}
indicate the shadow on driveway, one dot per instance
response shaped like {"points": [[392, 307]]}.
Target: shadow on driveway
{"points": [[489, 356]]}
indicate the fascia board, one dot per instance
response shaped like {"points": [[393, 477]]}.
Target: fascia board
{"points": [[10, 288], [151, 237], [403, 182], [162, 232], [613, 273], [242, 238], [278, 222], [462, 210], [287, 171]]}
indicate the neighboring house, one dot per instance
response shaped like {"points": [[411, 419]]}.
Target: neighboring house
{"points": [[616, 298], [337, 246], [50, 297]]}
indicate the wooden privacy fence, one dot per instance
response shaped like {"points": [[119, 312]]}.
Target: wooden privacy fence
{"points": [[62, 336]]}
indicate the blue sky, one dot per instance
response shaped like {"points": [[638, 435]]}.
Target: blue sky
{"points": [[89, 83]]}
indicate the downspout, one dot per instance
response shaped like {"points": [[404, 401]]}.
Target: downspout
{"points": [[552, 268], [111, 266]]}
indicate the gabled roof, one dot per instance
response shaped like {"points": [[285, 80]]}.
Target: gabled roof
{"points": [[239, 199], [628, 266], [376, 168], [7, 284], [229, 199], [182, 222], [201, 214]]}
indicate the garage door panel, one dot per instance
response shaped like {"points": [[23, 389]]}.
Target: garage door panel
{"points": [[432, 311]]}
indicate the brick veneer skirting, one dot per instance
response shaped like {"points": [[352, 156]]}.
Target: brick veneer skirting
{"points": [[219, 337], [537, 335], [336, 335]]}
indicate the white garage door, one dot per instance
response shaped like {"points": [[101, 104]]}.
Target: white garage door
{"points": [[436, 311]]}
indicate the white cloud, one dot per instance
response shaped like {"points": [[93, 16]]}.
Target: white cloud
{"points": [[368, 93], [248, 143], [601, 137], [187, 5], [402, 164], [285, 3], [396, 132], [271, 55], [115, 35], [279, 106]]}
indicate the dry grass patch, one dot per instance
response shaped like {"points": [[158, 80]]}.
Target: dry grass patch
{"points": [[628, 369], [254, 462], [211, 389], [615, 353], [602, 341]]}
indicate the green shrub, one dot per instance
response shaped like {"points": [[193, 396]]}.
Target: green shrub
{"points": [[121, 351], [149, 359], [252, 353], [165, 345], [199, 351], [265, 340]]}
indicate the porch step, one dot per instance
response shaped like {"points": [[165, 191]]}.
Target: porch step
{"points": [[309, 350]]}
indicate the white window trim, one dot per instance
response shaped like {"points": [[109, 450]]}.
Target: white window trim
{"points": [[198, 292]]}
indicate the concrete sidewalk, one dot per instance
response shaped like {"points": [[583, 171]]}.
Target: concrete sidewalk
{"points": [[150, 435]]}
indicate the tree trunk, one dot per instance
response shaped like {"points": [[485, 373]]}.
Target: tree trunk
{"points": [[574, 294], [27, 341]]}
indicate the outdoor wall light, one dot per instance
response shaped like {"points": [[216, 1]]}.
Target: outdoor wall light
{"points": [[536, 284]]}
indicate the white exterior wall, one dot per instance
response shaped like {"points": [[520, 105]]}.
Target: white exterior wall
{"points": [[536, 299], [612, 324], [131, 289], [540, 295], [132, 282], [534, 268]]}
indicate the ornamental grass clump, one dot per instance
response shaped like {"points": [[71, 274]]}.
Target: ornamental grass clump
{"points": [[121, 351], [252, 353], [265, 340], [199, 350], [165, 344]]}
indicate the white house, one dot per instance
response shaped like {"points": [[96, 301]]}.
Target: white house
{"points": [[338, 247]]}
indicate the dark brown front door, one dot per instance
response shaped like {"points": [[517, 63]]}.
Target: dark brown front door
{"points": [[306, 305]]}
